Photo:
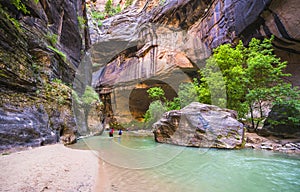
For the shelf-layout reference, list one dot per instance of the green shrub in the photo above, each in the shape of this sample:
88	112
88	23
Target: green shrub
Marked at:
187	93
128	3
108	6
154	113
156	93
53	38
175	104
98	15
81	22
89	96
61	54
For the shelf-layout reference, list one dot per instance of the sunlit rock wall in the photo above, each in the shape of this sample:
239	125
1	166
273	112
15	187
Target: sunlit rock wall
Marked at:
154	39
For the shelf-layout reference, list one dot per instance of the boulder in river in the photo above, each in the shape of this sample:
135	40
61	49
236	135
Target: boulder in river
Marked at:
200	125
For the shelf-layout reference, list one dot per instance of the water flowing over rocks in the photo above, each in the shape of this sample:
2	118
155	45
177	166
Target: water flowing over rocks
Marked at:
200	125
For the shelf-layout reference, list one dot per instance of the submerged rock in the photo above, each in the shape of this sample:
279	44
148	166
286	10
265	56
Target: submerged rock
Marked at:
200	125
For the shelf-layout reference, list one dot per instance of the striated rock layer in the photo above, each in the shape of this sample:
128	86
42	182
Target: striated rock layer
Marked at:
170	41
200	125
38	46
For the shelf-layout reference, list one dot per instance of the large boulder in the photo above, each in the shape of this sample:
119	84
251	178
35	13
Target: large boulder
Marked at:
282	122
200	125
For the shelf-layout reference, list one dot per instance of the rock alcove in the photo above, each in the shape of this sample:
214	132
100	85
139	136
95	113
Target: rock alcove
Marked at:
139	100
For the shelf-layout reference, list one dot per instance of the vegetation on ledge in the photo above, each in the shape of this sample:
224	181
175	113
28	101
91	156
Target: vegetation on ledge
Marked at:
239	78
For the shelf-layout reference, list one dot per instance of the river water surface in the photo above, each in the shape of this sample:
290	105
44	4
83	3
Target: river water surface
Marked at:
130	164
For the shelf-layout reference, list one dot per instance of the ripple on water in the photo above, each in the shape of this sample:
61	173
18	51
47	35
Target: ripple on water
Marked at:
171	168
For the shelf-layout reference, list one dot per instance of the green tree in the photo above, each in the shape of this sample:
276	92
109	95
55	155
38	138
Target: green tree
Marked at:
157	107
248	75
264	73
156	93
223	79
108	6
187	93
155	112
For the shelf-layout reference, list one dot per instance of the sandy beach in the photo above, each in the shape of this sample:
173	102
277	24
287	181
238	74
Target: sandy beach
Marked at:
49	168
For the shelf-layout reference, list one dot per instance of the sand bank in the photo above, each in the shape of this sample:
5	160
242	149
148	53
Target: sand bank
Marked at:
49	168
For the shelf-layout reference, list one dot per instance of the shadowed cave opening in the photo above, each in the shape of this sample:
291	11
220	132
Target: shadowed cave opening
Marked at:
139	101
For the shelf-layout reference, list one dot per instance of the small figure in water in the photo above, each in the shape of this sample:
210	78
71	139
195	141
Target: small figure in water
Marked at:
111	132
120	132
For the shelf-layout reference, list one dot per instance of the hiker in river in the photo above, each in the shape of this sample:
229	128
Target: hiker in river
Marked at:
111	132
120	132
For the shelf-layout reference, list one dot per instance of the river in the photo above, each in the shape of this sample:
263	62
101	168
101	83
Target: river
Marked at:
140	164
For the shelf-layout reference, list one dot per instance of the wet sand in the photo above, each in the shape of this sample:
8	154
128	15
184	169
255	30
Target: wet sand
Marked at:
49	168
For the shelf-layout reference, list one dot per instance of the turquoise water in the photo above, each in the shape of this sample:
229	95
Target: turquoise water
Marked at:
141	164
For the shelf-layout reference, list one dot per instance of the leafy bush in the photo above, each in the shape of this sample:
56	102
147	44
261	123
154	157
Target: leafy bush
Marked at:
156	93
174	104
108	6
187	93
53	38
89	96
57	92
81	22
155	112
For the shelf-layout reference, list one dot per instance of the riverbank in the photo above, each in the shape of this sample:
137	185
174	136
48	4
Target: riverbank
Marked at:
49	168
254	141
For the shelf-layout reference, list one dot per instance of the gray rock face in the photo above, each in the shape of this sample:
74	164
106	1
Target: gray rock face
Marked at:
279	123
33	127
200	125
29	116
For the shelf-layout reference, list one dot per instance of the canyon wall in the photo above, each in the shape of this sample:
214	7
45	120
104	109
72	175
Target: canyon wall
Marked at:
41	46
165	43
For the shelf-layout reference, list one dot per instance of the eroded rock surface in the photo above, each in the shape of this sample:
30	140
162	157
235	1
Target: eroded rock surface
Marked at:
154	40
200	125
37	47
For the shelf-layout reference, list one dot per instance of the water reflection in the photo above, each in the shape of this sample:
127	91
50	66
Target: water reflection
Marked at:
129	161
